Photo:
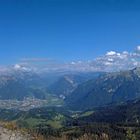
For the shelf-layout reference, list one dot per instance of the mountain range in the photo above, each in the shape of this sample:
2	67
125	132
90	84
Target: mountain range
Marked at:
116	87
79	90
101	105
21	83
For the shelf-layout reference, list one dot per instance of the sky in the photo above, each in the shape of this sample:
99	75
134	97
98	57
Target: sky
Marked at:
67	30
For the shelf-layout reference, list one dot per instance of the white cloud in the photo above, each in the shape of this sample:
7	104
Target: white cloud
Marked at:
111	53
73	63
125	52
17	66
22	67
135	63
138	48
111	61
108	63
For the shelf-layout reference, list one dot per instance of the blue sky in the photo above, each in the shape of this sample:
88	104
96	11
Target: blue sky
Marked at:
67	29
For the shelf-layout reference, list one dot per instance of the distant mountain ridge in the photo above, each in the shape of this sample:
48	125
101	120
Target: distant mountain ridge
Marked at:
67	83
114	87
19	82
19	85
80	91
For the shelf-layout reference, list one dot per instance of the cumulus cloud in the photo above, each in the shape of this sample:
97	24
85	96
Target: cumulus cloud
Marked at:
115	61
22	67
111	53
138	48
73	63
110	61
17	66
